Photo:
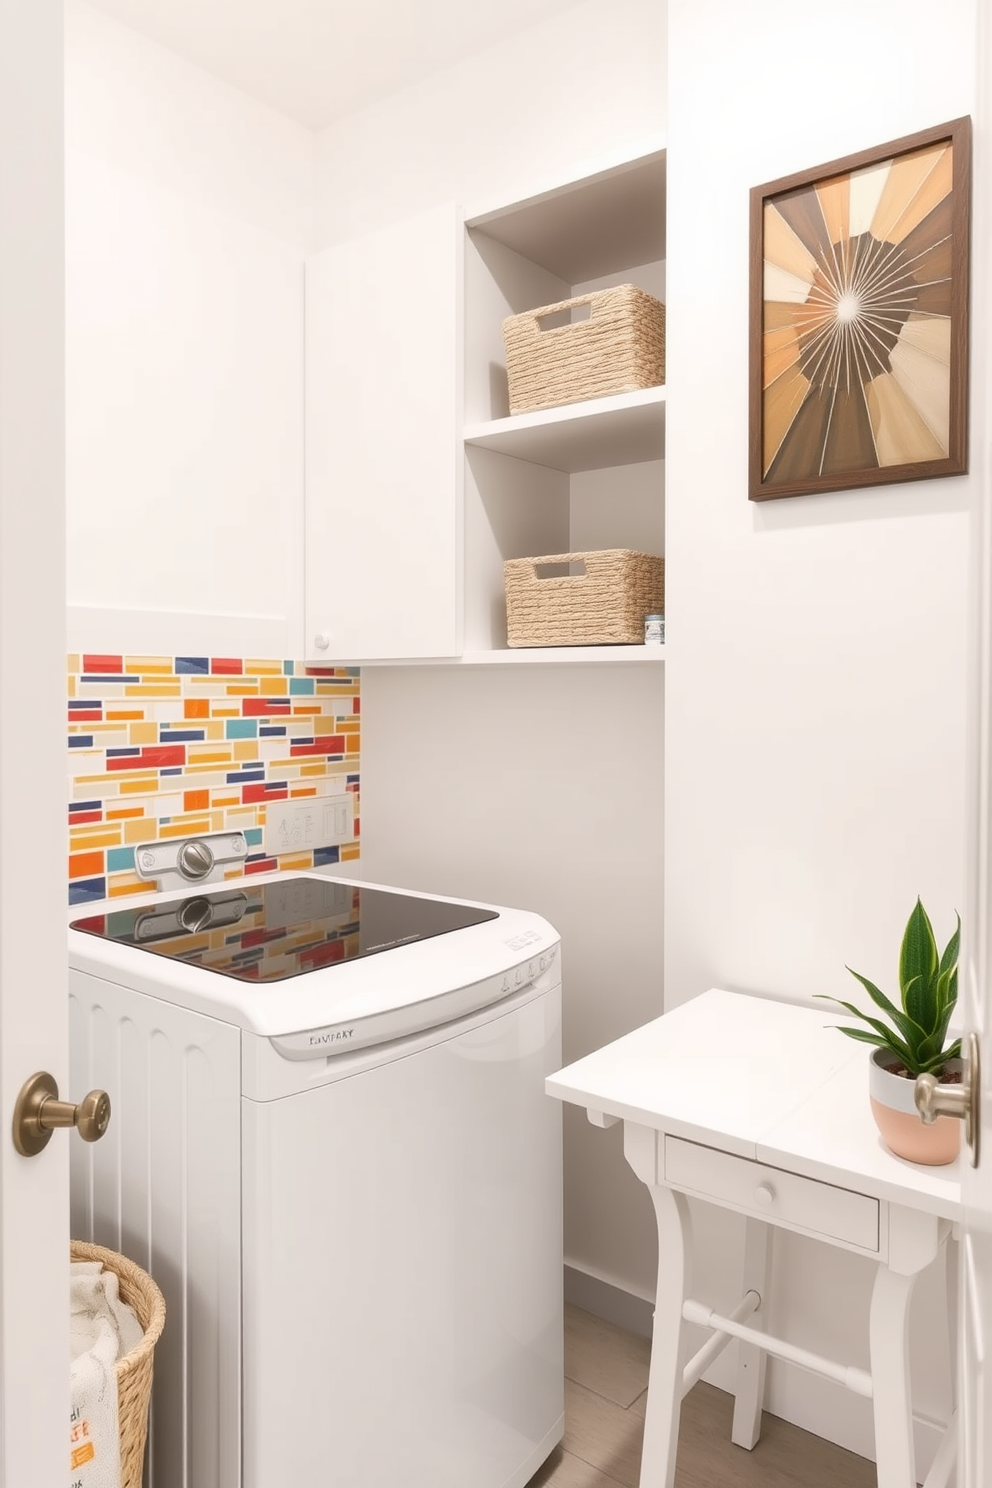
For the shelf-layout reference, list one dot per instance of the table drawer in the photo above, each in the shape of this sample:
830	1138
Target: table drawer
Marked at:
773	1194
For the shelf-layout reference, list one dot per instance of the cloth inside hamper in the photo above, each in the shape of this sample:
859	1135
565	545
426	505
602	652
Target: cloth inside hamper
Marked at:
102	1329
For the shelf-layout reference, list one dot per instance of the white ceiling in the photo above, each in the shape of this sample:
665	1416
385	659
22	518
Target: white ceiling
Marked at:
317	60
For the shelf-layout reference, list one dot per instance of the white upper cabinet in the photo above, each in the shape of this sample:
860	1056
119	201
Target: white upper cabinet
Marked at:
184	422
383	461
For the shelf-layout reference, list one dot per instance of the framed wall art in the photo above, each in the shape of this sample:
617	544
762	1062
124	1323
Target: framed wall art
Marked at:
859	318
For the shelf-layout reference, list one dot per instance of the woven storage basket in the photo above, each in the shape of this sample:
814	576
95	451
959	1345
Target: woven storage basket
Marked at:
605	606
618	349
134	1371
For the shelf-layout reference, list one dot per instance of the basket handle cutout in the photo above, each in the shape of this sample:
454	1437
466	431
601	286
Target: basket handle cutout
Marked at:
560	570
571	313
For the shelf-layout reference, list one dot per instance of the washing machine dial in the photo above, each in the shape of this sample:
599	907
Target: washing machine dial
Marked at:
194	860
195	914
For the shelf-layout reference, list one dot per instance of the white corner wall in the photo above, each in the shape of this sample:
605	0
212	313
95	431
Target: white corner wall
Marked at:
189	213
815	687
547	105
539	786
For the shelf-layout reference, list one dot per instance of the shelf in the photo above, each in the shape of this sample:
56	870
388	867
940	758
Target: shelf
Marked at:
610	220
564	655
621	430
539	656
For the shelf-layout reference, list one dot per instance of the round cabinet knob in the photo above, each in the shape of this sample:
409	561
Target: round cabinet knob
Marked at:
321	641
195	860
764	1195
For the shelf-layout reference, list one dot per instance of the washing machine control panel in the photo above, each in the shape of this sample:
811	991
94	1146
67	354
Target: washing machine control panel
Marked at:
539	971
527	972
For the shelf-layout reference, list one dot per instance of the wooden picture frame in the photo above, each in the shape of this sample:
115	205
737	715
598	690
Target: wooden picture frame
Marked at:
859	319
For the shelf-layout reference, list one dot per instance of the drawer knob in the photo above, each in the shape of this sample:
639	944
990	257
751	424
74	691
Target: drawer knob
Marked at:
764	1195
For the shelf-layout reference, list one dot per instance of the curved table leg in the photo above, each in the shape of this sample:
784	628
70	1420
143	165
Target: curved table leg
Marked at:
664	1402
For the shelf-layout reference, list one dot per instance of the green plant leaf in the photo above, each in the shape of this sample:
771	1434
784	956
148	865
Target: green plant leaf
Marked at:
917	965
939	1060
940	1032
911	1032
952	949
947	988
888	1038
945	1000
865	1038
920	1002
947	972
932	1048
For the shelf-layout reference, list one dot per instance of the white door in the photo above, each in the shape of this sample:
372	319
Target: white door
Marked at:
976	991
34	1192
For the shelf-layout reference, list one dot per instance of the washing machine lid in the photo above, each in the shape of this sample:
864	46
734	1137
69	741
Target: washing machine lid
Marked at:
464	957
271	930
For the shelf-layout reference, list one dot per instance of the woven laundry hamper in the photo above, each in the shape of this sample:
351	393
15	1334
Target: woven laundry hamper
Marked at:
604	606
618	348
134	1371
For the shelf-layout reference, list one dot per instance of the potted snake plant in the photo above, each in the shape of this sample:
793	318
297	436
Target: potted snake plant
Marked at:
913	1042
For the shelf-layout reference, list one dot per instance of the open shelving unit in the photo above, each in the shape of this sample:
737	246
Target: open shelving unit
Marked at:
416	564
580	476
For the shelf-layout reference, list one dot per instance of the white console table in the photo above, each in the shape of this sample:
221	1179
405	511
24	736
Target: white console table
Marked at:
762	1107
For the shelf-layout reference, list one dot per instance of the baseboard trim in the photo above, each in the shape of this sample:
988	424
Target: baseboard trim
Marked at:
793	1394
606	1300
814	1404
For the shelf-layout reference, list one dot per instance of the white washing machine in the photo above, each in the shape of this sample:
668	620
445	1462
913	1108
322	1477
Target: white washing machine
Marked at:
331	1147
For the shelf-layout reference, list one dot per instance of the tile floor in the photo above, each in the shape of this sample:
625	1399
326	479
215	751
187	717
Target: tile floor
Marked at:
606	1373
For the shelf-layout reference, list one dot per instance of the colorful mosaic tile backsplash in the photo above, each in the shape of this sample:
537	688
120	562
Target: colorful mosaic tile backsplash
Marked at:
163	746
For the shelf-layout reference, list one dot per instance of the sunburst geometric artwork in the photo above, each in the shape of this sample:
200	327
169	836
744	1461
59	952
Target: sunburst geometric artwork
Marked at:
859	318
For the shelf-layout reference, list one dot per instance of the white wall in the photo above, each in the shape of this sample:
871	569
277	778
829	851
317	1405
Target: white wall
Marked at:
539	786
815	686
545	105
190	210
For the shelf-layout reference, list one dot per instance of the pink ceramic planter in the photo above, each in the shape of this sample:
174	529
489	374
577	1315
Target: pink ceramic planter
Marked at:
893	1106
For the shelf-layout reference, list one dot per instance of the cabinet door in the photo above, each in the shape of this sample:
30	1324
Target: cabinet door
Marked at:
383	473
184	423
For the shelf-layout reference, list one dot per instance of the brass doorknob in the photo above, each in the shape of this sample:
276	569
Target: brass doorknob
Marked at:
934	1099
38	1112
